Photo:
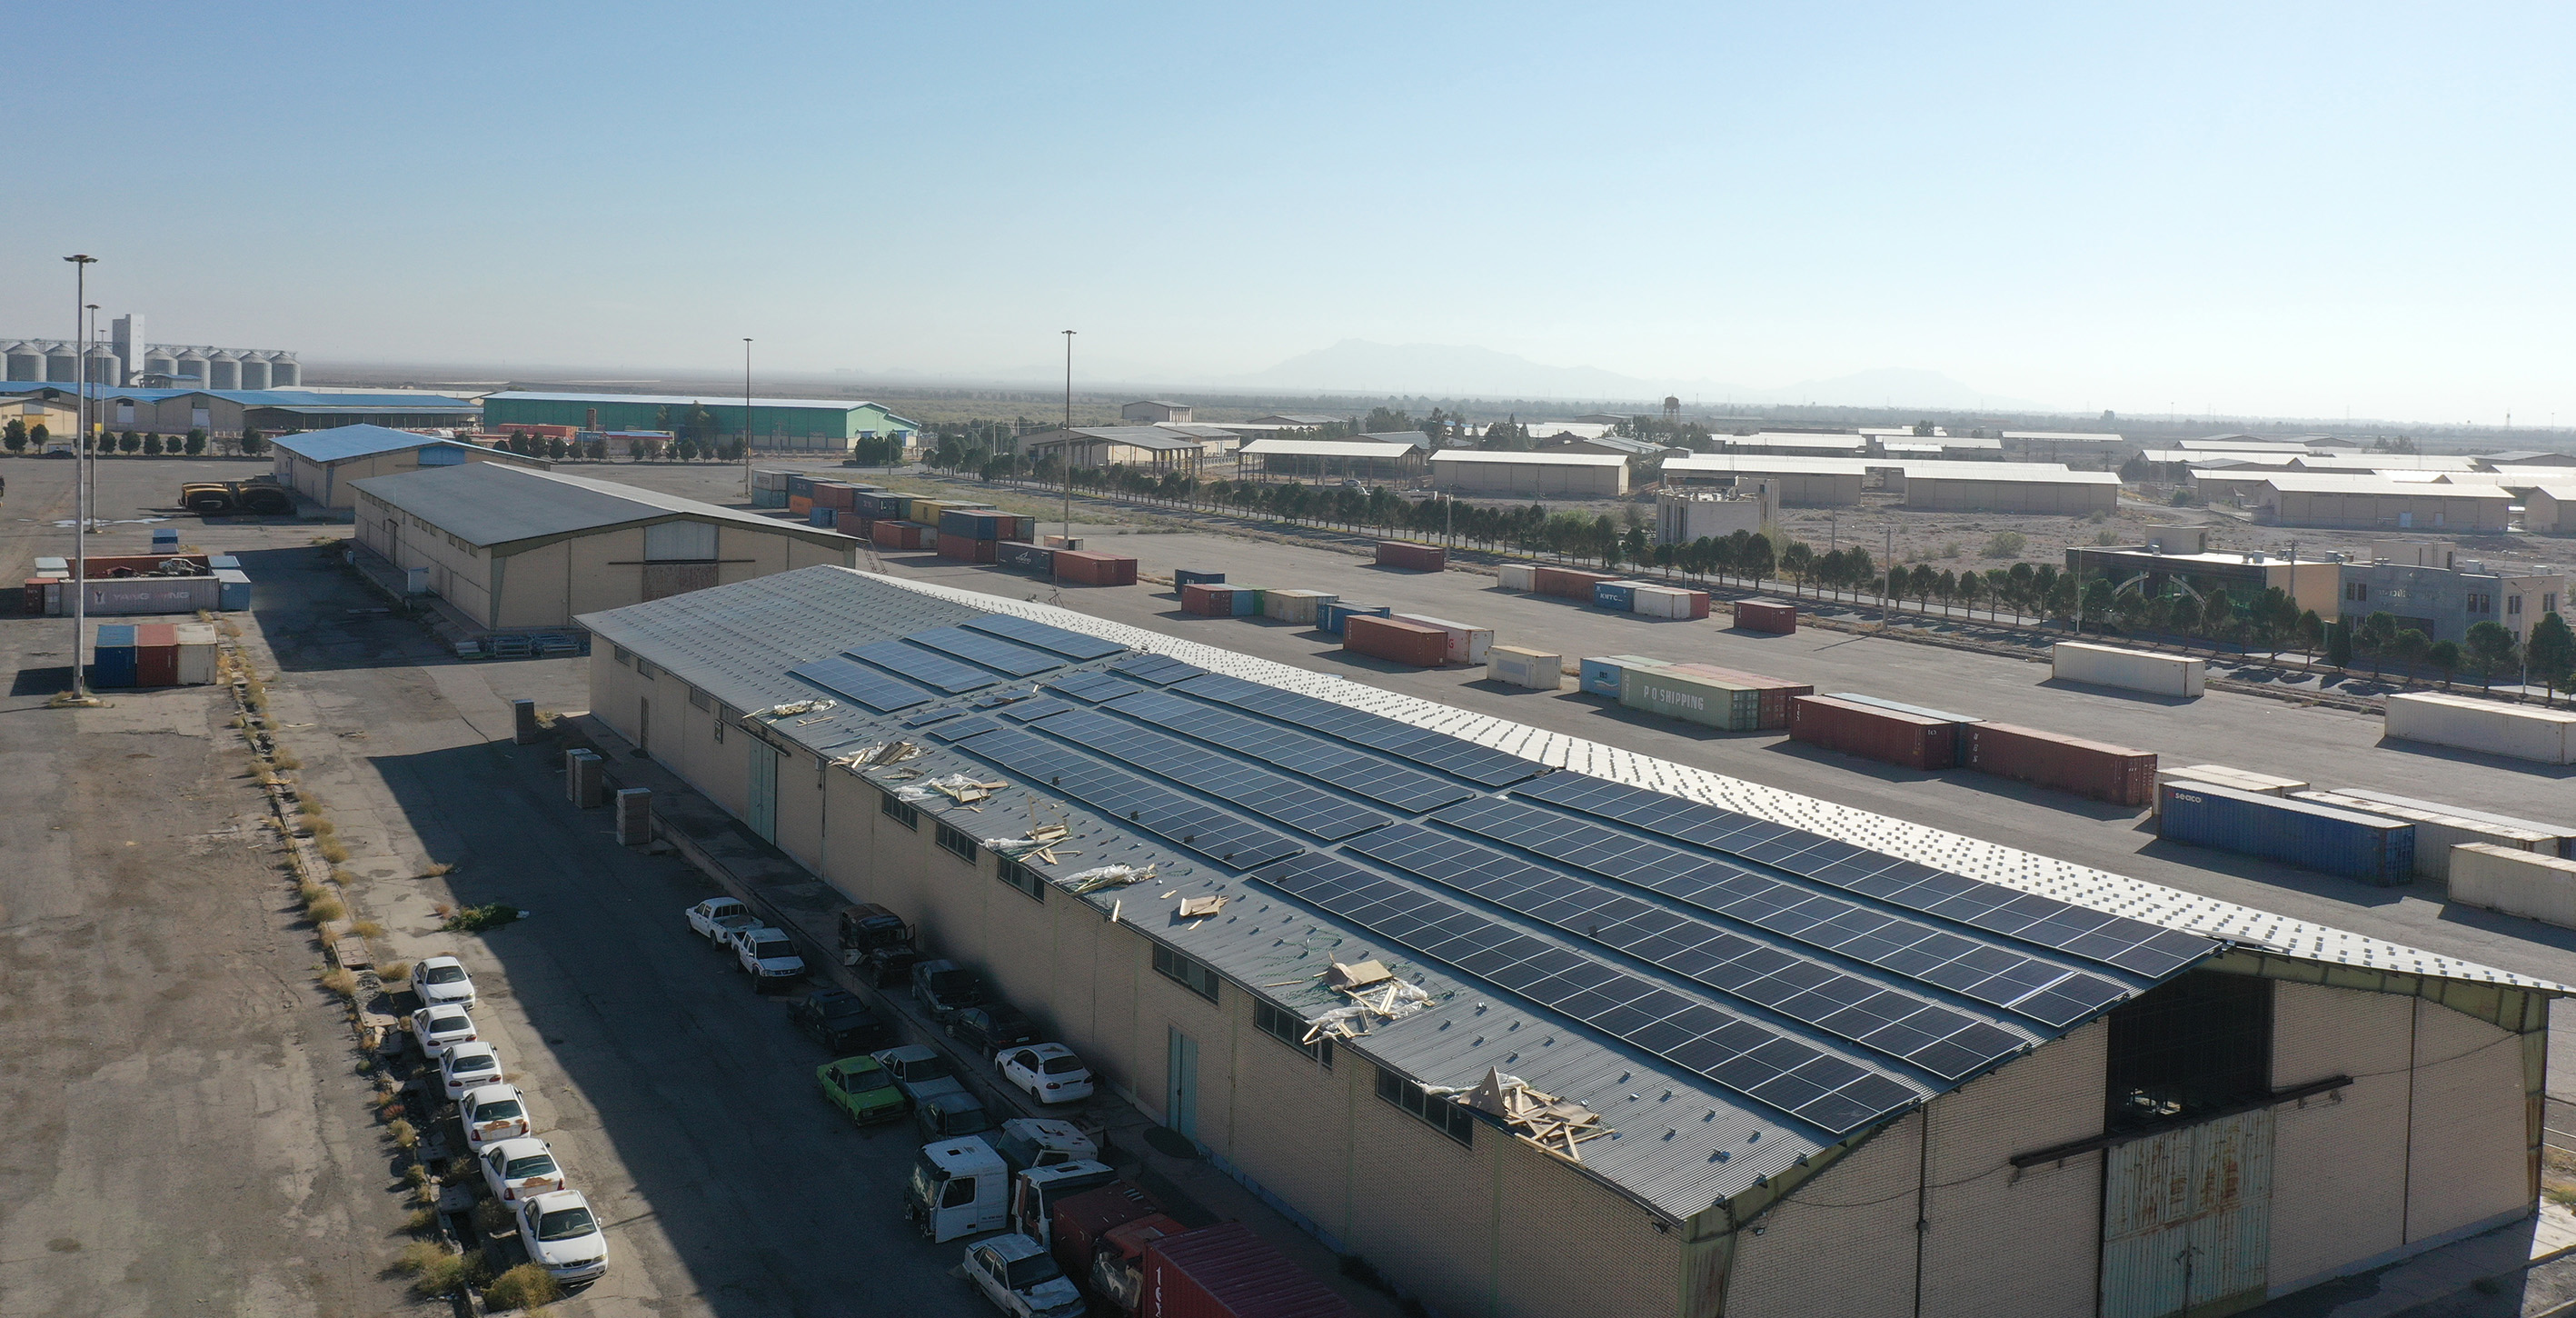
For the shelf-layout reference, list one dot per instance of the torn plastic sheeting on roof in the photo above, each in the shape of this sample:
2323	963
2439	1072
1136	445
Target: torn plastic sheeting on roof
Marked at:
883	752
1388	999
956	787
791	709
1105	877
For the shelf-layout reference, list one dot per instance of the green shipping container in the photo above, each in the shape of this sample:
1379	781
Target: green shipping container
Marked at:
1691	698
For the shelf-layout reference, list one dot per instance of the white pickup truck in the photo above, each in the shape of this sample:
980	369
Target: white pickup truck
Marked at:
767	955
716	919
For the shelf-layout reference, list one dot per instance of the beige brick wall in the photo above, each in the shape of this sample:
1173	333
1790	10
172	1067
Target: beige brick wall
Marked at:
2045	1265
2468	1154
2338	1162
1423	1206
1570	1245
1843	1243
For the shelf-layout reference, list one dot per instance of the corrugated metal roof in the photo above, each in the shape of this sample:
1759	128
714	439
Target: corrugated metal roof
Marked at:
499	503
683	400
2066	436
1685	1140
1326	448
1493	456
341	443
2321	482
1158	438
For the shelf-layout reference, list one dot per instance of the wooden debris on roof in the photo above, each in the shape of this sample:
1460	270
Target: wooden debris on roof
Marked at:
1194	907
1361	975
1554	1124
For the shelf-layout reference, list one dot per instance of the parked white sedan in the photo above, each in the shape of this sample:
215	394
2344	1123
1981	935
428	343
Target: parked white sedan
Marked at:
468	1066
1021	1279
716	918
519	1168
439	1028
1049	1072
492	1113
563	1237
442	981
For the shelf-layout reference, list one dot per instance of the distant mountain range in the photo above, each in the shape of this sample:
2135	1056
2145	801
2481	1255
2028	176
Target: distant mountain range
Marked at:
1445	370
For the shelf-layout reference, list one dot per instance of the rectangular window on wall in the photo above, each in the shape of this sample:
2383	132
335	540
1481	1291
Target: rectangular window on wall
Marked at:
2512	606
700	699
680	542
2198	1044
644	669
623	655
1288	1028
892	807
1020	876
1451	1119
724	714
955	843
1189	974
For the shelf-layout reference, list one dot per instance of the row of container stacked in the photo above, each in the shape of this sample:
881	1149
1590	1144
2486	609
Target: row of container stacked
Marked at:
2374	836
961	529
120	585
1652	599
124	654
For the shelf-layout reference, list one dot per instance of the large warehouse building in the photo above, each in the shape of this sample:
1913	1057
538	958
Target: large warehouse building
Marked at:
1530	475
2009	487
2378	503
1611	1034
272	411
515	548
1801	482
818	425
321	464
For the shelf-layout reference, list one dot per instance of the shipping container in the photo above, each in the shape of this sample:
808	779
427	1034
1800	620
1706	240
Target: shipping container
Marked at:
977	524
1776	616
1669	602
1467	644
768	498
1182	576
1247	602
1958	722
2437	832
1907	740
881	505
2243	780
1332	617
196	653
2564	833
1076	1223
849	521
111	656
1616	596
1225	1271
1406	554
1691	697
1025	557
2117	774
1082	567
898	535
1212	601
1520	576
131	595
1568	582
1601	676
1514	666
771	478
232	589
1294	605
1395	639
827	518
800	507
835	494
2519	732
800	483
968	551
2128	670
57	563
156	654
2373	848
31	597
1776	692
2515	882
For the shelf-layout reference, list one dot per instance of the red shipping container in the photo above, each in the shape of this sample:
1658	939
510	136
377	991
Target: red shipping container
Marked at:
897	535
1077	1223
2120	775
1406	554
1568	582
833	494
1776	694
156	654
1907	740
1225	1271
1777	616
34	602
1214	601
799	506
848	522
1082	567
1392	638
968	551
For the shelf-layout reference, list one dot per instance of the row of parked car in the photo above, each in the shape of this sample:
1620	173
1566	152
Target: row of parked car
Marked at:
554	1221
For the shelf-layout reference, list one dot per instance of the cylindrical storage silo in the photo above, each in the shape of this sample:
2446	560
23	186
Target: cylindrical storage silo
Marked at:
157	362
284	372
26	361
62	364
252	371
104	368
192	363
223	369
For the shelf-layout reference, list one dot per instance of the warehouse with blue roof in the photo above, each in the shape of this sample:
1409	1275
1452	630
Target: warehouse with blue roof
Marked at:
322	465
1541	1026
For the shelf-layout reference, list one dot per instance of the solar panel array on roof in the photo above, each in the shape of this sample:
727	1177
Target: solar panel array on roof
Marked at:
1072	645
1094	687
991	651
1161	670
1790	1074
1439	750
1410	790
924	667
875	690
1206	829
1030	711
1271	795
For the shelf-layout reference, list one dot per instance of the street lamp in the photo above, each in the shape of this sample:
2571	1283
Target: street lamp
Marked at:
746	418
80	694
1064	450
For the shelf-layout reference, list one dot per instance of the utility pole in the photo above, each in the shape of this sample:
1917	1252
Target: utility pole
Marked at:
746	418
1064	456
80	693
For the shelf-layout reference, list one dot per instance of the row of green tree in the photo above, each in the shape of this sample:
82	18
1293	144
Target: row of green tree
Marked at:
18	437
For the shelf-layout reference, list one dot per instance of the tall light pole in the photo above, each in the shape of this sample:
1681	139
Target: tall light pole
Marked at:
1064	452
746	418
80	470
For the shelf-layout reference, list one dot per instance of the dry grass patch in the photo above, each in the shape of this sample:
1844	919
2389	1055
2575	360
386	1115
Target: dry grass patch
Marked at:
365	928
405	1137
523	1287
341	982
326	911
394	972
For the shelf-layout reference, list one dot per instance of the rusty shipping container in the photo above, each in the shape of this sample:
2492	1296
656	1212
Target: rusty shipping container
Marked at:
156	654
1907	740
1406	554
968	551
1567	583
898	535
1225	1271
2121	775
1207	601
1400	641
1776	692
1777	616
1082	567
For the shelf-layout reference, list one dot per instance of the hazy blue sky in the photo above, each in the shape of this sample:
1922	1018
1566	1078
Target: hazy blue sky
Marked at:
2269	208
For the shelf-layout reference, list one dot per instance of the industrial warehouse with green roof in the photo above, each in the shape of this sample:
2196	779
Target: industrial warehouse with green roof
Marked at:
789	425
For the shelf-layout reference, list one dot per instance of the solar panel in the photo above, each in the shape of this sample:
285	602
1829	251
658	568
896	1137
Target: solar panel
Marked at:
1094	687
873	689
1071	644
934	716
1438	750
1407	789
1030	711
1271	795
962	729
1948	1042
1736	1052
1916	949
991	651
923	666
2135	946
1159	669
1206	829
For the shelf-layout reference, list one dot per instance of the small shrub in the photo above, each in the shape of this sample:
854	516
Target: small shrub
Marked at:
2106	536
546	717
434	1272
305	823
415	1175
285	760
522	1287
421	1221
366	928
425	1195
476	919
491	1218
438	871
326	911
342	877
2564	1198
318	826
340	982
394	972
404	1136
310	892
333	852
2007	544
418	1257
1951	549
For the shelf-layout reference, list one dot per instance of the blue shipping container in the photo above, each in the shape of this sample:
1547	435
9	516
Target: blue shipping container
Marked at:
827	518
1918	711
1025	557
1329	617
112	659
1600	677
800	483
967	524
1616	596
1182	576
232	589
1247	602
2371	848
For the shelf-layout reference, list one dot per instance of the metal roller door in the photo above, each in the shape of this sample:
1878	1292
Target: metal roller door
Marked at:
2186	1220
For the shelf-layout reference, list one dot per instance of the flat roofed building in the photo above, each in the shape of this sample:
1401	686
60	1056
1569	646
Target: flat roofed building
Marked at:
795	425
2051	493
1295	420
1544	475
512	548
2443	595
322	464
1330	459
1150	411
1790	443
226	412
1960	1080
2529	458
2376	503
1800	482
1125	446
2311	583
2550	509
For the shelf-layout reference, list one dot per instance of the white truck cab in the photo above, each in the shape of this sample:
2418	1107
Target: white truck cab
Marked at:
1042	1142
958	1188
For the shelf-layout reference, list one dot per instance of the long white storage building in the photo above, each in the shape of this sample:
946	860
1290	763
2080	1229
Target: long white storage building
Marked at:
1542	475
2520	732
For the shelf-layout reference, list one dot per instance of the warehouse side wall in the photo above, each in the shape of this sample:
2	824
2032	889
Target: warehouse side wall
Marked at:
2338	1161
1842	1244
2047	1265
2467	1139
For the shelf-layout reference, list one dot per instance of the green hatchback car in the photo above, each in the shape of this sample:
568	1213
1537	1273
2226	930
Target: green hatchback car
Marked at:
862	1089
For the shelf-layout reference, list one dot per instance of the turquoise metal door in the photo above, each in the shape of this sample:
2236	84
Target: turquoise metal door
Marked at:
763	813
1182	1086
2187	1220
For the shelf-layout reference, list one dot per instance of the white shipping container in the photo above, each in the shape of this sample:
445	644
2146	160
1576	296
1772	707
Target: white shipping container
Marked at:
1467	645
1661	602
2129	670
1514	666
1520	576
196	653
132	595
2436	833
2516	731
2243	780
1294	605
2563	833
2542	888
